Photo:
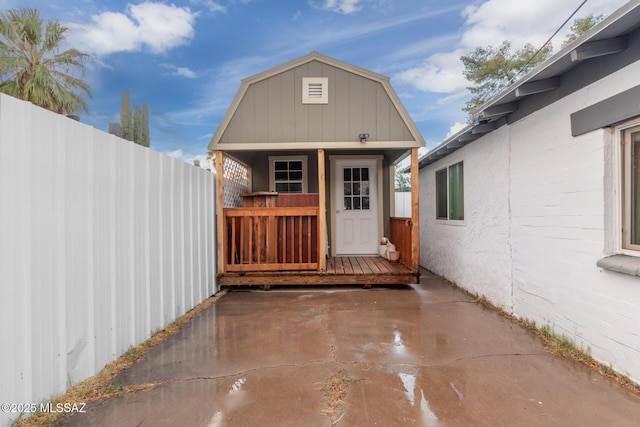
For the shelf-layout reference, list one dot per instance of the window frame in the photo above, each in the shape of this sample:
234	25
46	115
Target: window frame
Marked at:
272	171
624	133
447	219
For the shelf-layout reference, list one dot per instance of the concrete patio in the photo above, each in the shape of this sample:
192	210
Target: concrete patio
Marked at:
424	355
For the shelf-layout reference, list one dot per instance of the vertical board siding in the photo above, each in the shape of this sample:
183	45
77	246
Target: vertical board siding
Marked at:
102	242
271	110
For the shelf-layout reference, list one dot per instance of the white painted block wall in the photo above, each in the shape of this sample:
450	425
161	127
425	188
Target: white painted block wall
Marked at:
473	253
536	223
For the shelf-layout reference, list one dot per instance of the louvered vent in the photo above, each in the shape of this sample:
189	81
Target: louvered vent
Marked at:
315	90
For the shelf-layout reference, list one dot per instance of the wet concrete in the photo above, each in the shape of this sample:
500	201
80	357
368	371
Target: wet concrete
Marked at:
424	355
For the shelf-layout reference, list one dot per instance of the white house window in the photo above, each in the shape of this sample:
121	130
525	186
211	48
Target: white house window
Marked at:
631	188
288	174
450	193
315	90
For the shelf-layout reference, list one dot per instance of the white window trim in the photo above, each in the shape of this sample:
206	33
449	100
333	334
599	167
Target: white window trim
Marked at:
447	221
621	210
324	81
303	159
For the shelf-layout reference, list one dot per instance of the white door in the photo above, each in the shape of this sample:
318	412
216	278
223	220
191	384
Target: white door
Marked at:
356	205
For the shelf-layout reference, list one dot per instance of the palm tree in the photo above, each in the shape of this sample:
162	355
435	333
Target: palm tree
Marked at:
31	68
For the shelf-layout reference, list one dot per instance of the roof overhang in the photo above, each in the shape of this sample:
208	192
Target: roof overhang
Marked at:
607	38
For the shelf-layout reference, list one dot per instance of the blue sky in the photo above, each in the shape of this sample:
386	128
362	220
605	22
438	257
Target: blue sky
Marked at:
185	59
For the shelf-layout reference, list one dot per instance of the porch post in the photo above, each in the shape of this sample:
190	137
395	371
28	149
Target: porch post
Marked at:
322	214
415	211
219	163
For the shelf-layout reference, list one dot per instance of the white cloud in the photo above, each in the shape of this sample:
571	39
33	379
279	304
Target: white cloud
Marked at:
186	72
176	154
455	128
340	6
154	26
213	6
441	73
179	71
491	22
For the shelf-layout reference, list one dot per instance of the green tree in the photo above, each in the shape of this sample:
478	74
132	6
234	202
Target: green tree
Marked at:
32	68
211	157
403	181
581	26
491	69
126	119
137	125
146	139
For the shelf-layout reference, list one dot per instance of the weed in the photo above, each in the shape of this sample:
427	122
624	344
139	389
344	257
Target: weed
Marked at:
335	390
99	386
560	345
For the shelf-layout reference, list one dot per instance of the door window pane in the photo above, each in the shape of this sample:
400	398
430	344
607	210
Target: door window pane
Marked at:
347	203
356	185
365	203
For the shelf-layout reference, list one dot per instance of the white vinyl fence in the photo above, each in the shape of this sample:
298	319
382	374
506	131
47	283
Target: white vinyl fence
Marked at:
403	204
102	242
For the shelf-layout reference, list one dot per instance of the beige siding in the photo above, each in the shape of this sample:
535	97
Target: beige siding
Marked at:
271	110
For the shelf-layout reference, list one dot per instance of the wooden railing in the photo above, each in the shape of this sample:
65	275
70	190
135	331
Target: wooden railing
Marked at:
271	238
400	236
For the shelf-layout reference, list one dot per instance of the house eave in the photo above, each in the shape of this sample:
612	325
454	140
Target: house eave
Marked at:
606	38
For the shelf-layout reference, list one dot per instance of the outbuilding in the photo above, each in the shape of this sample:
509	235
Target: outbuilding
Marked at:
305	159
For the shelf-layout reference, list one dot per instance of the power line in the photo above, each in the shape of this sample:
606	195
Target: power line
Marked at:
548	41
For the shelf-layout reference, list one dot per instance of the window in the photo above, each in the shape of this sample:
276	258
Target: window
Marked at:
631	188
450	193
288	174
315	90
356	188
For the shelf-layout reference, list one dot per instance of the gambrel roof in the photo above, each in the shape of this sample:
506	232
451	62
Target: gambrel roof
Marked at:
268	111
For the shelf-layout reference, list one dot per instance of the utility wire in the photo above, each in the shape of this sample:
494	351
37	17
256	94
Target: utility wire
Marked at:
547	42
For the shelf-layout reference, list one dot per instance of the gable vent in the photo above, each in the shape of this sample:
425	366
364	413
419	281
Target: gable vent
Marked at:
315	90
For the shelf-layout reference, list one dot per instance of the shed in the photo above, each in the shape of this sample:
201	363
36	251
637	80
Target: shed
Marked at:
305	159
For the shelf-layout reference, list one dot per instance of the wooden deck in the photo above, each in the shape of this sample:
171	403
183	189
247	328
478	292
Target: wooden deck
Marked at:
347	270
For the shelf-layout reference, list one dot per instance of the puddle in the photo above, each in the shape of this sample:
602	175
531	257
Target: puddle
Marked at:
237	386
398	343
216	420
408	376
